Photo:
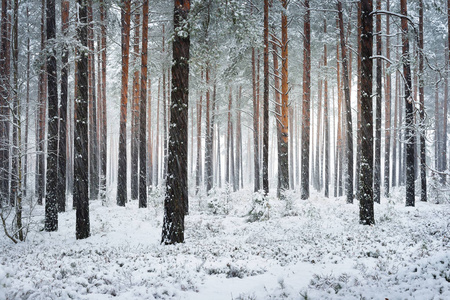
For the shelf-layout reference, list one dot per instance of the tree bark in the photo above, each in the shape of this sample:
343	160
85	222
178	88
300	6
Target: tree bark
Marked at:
348	109
102	93
143	111
134	153
122	170
4	105
387	116
208	138
423	162
326	121
80	193
377	160
198	164
176	200
306	106
265	160
409	111
257	186
51	199
366	212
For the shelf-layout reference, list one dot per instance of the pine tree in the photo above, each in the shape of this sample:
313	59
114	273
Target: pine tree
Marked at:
51	199
366	213
81	182
176	200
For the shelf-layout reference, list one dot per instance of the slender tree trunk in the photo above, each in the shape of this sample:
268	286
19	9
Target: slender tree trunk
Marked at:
80	193
122	170
158	135
135	109
387	105
230	148
198	164
143	111
229	131
176	200
208	137
4	105
366	212
93	128
348	113
326	120
102	93
51	199
238	159
265	160
62	145
257	186
27	109
377	160
358	92
306	106
40	166
423	162
277	114
319	121
14	183
409	111
395	133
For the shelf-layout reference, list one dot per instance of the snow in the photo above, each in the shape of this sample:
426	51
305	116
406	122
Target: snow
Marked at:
315	249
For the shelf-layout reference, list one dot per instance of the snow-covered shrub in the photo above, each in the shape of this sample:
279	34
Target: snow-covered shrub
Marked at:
260	208
219	201
288	199
439	192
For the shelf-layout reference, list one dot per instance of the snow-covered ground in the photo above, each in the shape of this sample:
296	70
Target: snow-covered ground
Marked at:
313	249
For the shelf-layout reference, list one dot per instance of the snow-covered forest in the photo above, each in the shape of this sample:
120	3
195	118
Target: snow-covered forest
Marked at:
239	149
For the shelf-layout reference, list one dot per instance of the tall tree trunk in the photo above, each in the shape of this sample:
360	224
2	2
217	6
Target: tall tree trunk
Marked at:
14	192
306	106
158	135
122	170
423	162
409	111
326	120
143	111
4	105
277	114
229	132
358	92
80	193
265	160
27	108
230	136
51	199
387	105
40	156
318	134
62	145
257	186
366	213
198	164
102	93
395	132
208	137
176	200
93	140
377	160
348	112
238	158
134	153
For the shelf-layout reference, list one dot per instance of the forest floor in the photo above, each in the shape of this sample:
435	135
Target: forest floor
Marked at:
314	249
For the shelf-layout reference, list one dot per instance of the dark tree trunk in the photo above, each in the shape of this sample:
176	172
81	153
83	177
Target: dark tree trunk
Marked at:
423	162
358	92
81	184
348	109
62	146
409	111
122	170
102	93
265	160
51	199
387	116
306	113
4	105
176	200
366	213
377	160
